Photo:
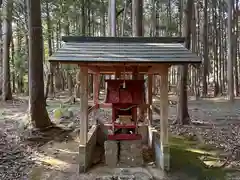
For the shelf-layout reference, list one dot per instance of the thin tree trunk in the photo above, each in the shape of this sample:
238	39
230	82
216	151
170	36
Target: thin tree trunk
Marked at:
205	48
230	53
49	31
183	116
1	53
236	65
12	62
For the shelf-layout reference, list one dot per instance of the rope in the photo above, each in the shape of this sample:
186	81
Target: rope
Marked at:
126	109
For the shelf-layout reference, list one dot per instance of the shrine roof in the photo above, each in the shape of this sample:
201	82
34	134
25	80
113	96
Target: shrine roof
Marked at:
77	49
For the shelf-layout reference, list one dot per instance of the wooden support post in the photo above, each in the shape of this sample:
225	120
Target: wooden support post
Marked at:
164	146
84	105
117	74
135	73
106	87
96	84
150	83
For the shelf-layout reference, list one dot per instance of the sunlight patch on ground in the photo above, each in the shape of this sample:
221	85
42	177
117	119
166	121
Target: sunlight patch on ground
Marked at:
66	151
213	163
52	162
200	151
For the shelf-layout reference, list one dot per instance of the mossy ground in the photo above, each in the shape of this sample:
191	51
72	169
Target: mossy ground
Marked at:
199	161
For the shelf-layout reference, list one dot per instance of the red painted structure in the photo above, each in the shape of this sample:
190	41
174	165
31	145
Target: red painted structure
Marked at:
125	96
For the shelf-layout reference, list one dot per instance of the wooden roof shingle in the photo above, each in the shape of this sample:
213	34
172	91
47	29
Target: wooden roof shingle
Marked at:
124	50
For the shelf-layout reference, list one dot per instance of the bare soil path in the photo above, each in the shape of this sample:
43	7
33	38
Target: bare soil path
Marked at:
55	156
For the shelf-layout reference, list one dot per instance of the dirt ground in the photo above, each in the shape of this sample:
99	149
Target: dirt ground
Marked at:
27	155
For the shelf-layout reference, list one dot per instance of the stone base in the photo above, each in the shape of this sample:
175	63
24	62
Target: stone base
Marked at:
123	177
86	152
161	153
111	153
131	153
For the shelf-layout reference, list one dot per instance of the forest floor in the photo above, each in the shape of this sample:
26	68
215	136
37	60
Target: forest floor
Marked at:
26	154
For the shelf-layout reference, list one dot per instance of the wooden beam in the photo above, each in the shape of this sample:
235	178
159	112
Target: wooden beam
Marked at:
84	105
135	73
121	69
114	63
150	83
82	39
105	105
93	69
96	84
164	157
157	69
94	107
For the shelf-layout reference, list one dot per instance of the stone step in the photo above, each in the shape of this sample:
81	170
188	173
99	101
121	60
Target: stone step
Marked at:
123	177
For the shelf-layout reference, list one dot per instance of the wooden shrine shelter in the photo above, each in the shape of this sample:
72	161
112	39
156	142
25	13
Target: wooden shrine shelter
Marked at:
120	56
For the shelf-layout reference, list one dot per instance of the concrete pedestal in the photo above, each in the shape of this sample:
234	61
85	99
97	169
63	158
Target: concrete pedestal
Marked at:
131	153
111	153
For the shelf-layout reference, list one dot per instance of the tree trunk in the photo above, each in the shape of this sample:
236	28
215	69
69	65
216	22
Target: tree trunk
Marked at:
1	52
205	48
26	42
49	33
230	53
137	29
78	84
70	84
7	31
83	18
182	108
13	73
236	65
38	113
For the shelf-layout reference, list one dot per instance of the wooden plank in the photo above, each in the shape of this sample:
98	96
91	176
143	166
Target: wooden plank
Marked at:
126	55
123	39
157	69
84	105
127	69
96	85
150	83
109	105
113	60
105	105
118	74
97	44
118	49
164	157
140	51
93	69
135	73
96	82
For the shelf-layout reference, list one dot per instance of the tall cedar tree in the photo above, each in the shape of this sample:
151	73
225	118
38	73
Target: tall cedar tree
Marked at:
38	113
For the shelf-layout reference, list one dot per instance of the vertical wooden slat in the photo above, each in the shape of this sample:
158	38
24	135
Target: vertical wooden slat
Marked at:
150	83
164	158
84	105
96	86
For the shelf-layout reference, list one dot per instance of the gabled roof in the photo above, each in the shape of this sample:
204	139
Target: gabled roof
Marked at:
124	50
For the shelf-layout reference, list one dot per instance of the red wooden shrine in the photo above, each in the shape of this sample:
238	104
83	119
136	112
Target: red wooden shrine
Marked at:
125	96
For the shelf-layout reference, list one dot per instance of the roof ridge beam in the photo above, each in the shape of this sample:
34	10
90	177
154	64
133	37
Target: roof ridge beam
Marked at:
83	39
